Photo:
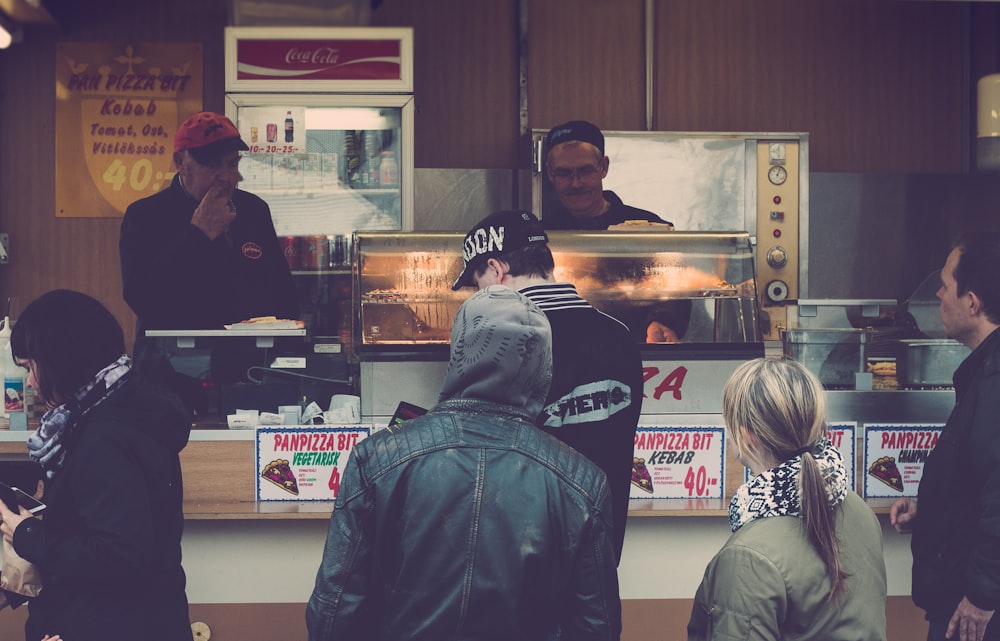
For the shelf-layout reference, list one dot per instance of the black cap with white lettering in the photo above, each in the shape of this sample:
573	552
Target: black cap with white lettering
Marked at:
497	234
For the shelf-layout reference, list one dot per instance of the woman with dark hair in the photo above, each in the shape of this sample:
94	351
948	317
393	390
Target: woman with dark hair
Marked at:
109	544
805	558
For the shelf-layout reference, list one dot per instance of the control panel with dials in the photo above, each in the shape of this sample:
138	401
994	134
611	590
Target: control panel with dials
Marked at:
777	259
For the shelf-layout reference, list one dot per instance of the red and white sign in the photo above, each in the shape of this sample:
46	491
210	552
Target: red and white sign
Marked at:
678	463
894	458
349	59
303	463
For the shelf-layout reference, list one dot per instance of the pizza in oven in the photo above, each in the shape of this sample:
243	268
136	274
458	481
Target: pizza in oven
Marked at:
885	470
279	473
640	475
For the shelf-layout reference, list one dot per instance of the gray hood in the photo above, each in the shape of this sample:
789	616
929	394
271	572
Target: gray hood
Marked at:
501	351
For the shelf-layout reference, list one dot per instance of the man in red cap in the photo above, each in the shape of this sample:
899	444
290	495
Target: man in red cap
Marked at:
201	253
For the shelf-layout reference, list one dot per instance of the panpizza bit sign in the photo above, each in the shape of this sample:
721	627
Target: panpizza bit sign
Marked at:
895	456
303	463
678	463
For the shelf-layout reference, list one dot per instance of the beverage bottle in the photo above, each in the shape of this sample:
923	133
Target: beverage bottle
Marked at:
389	169
13	374
352	158
289	127
4	348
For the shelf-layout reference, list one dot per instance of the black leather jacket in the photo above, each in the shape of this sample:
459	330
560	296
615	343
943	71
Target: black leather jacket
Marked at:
956	537
468	523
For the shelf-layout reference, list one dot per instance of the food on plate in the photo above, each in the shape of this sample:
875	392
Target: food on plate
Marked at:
267	322
383	296
643	225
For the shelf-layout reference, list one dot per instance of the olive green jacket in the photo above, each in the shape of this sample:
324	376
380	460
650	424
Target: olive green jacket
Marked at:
768	582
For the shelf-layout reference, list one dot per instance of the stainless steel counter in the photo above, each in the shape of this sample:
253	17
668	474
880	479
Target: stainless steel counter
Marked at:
891	406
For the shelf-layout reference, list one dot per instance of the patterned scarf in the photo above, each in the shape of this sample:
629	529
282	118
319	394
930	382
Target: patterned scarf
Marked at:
775	492
47	445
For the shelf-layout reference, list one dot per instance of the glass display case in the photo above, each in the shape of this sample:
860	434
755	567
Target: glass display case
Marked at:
702	280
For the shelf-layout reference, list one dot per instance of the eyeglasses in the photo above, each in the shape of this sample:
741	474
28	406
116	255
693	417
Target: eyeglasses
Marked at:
585	174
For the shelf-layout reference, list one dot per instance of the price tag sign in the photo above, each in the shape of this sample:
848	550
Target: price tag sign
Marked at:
303	463
276	131
678	463
894	458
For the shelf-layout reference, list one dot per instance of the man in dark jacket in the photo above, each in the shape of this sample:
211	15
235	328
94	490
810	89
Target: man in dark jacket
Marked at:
596	394
956	536
469	522
202	254
576	165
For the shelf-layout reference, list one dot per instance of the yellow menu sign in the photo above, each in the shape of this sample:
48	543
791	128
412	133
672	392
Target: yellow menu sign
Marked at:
117	108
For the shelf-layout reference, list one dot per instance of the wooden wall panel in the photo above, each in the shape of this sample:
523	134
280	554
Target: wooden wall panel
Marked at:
586	62
465	80
879	86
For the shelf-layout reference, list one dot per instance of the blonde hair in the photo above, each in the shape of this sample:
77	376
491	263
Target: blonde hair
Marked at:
784	406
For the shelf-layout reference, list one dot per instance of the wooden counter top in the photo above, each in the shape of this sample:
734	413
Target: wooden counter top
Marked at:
253	510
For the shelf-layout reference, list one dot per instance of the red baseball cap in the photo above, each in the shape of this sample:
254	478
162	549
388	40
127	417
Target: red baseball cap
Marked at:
210	134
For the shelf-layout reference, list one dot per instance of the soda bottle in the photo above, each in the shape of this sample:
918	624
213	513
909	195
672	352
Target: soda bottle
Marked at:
289	127
352	158
389	169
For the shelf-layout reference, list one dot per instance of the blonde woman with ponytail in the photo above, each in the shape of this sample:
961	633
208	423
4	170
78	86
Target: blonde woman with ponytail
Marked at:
805	557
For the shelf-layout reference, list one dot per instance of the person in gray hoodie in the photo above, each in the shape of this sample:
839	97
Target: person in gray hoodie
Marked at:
469	522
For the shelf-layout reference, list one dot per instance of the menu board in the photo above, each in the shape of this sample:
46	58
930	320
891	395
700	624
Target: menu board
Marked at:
678	463
303	463
894	458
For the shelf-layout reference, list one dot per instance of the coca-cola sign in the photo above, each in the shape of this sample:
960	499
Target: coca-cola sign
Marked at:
320	56
318	60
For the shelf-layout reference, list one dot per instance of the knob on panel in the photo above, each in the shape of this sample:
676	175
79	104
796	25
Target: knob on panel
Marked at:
777	291
777	257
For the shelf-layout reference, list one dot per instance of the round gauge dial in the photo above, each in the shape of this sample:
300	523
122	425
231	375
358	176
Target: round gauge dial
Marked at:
777	175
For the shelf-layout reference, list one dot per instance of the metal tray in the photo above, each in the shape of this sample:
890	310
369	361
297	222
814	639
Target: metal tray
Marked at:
928	362
833	355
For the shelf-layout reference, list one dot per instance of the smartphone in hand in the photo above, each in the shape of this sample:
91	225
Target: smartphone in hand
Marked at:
15	497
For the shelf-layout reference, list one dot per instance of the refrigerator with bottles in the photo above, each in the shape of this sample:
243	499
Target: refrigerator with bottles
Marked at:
328	115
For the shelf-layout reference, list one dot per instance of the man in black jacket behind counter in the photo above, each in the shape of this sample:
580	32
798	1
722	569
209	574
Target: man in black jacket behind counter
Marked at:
956	533
201	253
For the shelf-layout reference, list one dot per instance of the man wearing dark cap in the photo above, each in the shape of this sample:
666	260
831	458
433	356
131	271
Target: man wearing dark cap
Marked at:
596	394
201	254
576	165
468	522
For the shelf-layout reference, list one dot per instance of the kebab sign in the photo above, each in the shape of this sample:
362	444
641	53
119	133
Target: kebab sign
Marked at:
303	463
117	107
678	463
895	456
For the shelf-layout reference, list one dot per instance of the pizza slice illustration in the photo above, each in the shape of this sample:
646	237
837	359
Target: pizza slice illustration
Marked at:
640	475
279	473
885	470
